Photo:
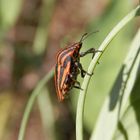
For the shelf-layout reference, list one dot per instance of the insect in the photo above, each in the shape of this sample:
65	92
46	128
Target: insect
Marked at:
68	67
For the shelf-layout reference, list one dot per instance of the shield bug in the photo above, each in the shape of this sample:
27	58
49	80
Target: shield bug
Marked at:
68	67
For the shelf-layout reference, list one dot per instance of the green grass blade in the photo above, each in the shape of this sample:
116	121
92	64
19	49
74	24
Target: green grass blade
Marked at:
41	34
30	104
115	104
47	114
103	47
129	121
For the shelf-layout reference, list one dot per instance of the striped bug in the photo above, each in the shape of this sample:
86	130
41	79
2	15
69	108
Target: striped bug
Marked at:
68	67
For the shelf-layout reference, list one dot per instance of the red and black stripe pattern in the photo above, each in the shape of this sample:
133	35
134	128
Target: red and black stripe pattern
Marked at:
68	67
66	70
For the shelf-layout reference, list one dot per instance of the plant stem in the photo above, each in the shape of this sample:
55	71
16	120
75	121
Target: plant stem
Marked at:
103	47
30	104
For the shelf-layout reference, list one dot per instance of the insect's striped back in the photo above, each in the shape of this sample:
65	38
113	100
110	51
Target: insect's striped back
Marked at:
68	67
62	70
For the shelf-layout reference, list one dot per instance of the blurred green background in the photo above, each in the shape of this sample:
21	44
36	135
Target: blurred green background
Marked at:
31	33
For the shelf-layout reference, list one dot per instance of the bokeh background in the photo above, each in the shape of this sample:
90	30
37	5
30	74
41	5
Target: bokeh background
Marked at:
31	33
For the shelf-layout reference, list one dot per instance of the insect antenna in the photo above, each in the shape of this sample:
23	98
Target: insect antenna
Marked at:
85	35
82	38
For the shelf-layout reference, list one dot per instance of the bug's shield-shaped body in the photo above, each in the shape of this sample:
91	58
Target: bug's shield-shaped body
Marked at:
66	70
68	66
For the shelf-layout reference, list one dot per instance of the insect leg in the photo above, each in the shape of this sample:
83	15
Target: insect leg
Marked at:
77	82
91	50
77	87
83	72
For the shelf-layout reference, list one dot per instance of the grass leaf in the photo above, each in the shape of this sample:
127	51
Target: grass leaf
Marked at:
30	104
103	47
115	104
